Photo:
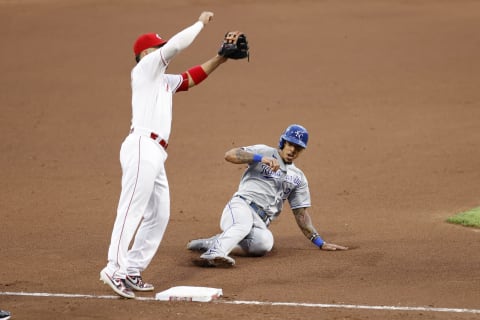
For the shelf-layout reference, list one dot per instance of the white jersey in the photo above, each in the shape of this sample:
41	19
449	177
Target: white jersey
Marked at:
152	89
145	189
269	189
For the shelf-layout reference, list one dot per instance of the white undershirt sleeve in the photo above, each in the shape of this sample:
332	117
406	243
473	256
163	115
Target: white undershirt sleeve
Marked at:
180	41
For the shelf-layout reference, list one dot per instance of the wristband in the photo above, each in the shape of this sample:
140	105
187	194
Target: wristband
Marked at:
257	157
317	240
198	74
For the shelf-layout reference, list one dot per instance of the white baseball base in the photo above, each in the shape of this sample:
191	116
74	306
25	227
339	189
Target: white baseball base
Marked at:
188	293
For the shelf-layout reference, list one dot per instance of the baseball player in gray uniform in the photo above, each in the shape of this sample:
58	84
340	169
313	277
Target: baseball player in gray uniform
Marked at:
144	206
270	178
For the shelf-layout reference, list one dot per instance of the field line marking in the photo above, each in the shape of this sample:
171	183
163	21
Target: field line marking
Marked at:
285	304
354	306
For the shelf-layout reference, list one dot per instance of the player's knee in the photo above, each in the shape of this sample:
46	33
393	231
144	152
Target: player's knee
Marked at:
263	245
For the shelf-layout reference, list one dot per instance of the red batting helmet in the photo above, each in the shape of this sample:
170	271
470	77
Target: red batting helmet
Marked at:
147	40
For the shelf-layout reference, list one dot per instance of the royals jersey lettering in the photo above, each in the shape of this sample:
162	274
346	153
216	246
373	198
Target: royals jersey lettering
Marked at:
270	189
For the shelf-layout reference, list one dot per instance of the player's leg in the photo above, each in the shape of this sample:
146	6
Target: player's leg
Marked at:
138	175
152	228
142	252
137	184
236	223
257	243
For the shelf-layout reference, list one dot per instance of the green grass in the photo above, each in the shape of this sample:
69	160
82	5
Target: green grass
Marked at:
470	218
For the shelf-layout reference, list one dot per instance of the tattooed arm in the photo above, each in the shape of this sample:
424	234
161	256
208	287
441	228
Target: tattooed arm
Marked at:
304	222
239	156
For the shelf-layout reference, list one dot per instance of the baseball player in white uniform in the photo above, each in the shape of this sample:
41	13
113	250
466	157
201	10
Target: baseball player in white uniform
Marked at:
144	204
269	180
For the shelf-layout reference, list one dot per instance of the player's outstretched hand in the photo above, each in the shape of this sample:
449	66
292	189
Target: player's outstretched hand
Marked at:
205	17
332	247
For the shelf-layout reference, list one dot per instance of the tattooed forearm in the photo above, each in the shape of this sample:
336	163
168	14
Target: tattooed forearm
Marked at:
238	155
243	156
304	222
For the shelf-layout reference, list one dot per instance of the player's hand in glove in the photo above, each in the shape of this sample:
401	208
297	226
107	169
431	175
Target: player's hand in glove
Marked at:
234	46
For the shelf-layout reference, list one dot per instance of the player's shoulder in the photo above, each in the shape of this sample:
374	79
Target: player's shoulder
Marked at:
150	62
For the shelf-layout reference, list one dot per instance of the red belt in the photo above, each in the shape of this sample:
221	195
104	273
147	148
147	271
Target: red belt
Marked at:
162	142
154	136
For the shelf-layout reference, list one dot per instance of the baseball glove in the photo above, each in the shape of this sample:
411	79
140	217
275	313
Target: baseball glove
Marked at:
234	46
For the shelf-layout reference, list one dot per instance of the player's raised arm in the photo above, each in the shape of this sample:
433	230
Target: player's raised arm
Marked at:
239	156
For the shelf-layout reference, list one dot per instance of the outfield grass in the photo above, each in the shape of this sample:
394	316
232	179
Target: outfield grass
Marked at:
470	218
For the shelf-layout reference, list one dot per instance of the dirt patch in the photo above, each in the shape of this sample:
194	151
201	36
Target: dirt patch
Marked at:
388	92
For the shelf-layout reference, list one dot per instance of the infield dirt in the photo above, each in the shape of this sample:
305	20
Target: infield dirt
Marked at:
387	89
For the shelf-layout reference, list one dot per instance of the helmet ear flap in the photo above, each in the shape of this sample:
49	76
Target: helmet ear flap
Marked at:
295	134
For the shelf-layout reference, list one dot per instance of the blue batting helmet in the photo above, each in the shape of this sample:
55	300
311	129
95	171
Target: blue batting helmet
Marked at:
295	134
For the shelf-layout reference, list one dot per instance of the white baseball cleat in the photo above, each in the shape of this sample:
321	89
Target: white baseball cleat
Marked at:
201	244
136	283
118	285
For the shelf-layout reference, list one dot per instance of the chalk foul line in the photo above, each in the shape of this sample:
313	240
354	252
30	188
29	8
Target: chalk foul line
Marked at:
261	303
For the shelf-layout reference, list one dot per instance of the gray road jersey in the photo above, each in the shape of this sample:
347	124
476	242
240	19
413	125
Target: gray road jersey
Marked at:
270	189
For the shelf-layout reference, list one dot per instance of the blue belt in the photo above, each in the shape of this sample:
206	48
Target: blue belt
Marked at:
261	213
